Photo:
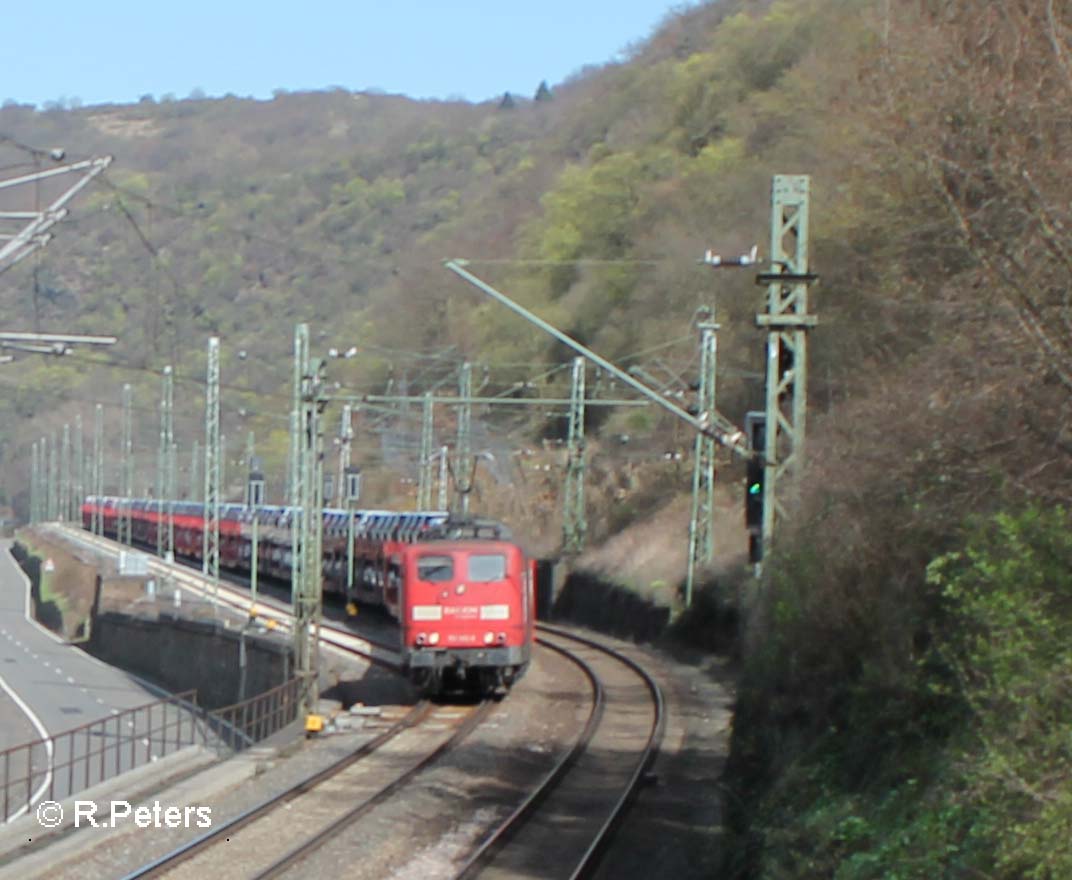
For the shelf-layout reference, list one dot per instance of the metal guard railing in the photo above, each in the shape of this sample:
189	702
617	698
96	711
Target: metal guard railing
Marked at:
66	763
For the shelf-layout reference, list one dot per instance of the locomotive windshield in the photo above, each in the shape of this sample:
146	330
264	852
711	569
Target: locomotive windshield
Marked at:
486	567
433	569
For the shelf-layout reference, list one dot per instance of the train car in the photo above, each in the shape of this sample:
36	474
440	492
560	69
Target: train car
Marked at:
461	590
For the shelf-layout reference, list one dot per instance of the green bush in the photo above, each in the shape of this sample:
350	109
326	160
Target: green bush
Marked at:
963	769
1010	593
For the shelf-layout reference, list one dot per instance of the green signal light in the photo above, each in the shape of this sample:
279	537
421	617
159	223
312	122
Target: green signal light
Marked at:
755	489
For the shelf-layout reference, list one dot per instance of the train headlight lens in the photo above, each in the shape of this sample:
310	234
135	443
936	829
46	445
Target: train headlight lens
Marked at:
433	638
420	638
489	638
502	638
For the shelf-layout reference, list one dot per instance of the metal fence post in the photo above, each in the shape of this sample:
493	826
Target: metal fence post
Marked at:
70	762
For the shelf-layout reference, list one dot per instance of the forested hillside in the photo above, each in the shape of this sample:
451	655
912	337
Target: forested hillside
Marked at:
241	218
905	687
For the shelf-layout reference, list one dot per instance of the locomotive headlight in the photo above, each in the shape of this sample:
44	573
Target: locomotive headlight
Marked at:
433	638
489	638
460	589
502	638
420	638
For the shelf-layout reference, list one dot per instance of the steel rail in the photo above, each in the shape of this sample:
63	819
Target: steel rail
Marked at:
174	858
486	852
590	861
303	850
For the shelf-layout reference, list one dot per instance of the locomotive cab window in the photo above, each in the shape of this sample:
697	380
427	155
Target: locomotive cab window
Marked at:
434	569
486	567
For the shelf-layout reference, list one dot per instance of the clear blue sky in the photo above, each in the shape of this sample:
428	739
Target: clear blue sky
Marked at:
118	50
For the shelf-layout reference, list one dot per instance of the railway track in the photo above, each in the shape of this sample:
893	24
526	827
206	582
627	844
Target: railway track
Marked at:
259	843
563	826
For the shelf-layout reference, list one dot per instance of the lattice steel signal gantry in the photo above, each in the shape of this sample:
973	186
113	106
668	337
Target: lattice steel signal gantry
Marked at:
126	466
574	521
701	528
425	475
210	559
97	522
307	590
787	322
295	484
464	462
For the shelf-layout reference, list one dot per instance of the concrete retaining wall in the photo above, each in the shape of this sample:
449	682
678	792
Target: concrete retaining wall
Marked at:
606	607
180	654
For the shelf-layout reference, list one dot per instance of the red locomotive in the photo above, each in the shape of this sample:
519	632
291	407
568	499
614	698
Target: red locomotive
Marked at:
462	591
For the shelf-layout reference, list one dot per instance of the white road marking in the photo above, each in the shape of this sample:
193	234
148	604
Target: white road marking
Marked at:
41	729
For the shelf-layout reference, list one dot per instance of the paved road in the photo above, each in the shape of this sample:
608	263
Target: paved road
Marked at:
58	687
